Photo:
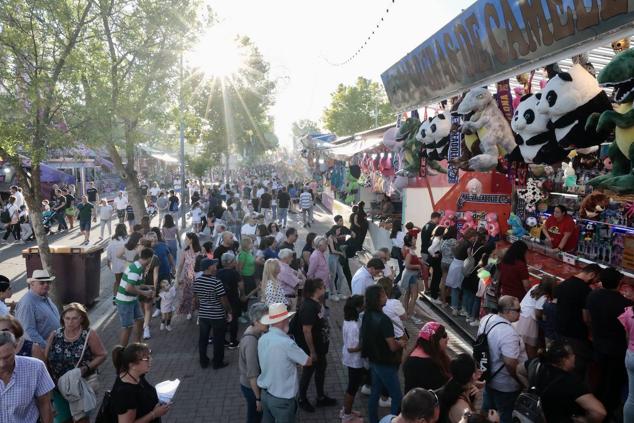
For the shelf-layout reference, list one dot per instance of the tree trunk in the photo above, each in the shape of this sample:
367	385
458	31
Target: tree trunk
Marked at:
129	175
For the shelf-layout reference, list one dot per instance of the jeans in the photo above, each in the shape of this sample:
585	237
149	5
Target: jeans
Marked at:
475	308
319	369
611	381
307	215
274	212
468	297
12	229
105	223
384	376
455	298
253	416
283	216
503	402
434	262
61	220
336	272
628	409
219	327
278	410
266	211
172	245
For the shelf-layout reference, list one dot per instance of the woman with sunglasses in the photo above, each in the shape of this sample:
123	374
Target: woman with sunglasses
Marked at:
25	347
133	398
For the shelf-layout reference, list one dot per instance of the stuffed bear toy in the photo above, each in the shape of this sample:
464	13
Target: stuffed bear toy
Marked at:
536	143
440	127
534	230
570	176
468	223
492	225
568	99
593	205
619	74
448	218
488	121
425	136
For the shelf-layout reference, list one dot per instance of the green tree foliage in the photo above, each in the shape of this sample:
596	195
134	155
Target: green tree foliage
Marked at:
304	127
354	108
39	42
232	113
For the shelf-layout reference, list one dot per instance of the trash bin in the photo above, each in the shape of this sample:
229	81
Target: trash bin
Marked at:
77	271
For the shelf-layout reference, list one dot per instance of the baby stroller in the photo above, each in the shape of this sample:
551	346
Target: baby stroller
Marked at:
151	210
48	220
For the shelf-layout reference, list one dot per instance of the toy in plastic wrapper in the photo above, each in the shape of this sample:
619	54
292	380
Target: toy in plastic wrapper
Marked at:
469	222
492	225
448	218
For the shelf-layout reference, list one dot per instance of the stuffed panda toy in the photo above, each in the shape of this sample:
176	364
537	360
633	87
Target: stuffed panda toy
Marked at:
440	127
535	142
423	136
568	99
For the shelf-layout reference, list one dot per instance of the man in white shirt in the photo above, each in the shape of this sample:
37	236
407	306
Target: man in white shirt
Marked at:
506	352
19	198
365	276
120	204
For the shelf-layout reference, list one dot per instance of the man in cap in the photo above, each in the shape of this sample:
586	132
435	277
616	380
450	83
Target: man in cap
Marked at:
279	356
36	311
214	313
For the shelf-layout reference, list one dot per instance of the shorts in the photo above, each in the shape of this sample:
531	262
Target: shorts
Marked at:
356	378
120	214
84	225
129	313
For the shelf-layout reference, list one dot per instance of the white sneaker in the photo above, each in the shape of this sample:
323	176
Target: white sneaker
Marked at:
169	328
385	403
162	326
146	333
475	323
436	301
366	389
156	313
343	297
416	320
468	319
189	316
454	312
463	313
335	298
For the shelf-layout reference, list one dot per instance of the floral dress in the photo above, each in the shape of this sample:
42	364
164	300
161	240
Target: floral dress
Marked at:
186	289
63	355
273	293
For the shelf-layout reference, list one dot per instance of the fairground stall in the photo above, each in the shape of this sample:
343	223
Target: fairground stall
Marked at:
520	106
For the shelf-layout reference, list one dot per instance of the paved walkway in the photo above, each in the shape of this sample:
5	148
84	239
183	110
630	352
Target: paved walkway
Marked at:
208	395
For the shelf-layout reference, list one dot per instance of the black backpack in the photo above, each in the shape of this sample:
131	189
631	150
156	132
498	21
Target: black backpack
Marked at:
105	414
528	405
5	216
482	354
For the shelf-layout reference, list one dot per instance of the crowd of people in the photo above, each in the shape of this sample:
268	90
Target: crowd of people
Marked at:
239	275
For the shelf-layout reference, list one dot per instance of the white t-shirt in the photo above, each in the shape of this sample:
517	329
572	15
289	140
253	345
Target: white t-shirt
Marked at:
19	199
399	240
196	215
259	193
529	304
350	332
248	229
105	212
503	341
4	309
120	203
154	191
361	281
394	310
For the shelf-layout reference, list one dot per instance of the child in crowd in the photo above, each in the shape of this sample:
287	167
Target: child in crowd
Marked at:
393	308
351	357
196	217
168	297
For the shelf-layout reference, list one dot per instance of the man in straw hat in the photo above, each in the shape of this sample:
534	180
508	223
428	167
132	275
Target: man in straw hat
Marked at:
36	311
279	357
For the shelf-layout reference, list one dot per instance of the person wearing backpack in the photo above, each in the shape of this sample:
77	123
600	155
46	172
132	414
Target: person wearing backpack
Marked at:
454	273
498	351
563	396
11	218
449	241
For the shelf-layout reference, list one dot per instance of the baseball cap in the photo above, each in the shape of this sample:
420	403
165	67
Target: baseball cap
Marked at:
206	263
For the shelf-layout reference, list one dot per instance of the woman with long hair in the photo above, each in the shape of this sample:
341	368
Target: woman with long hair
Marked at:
427	366
185	274
170	234
117	265
308	249
272	291
532	306
397	235
410	277
449	241
514	279
25	347
133	398
462	394
435	259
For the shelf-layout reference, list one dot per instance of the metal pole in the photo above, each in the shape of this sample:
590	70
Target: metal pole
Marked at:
182	142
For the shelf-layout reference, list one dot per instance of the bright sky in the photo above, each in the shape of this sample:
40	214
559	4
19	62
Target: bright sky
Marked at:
299	37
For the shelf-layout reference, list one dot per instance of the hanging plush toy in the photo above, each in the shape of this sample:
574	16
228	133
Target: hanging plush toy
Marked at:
468	223
440	127
517	229
411	153
531	195
448	218
352	183
493	130
619	74
568	99
425	136
570	176
536	143
492	225
593	205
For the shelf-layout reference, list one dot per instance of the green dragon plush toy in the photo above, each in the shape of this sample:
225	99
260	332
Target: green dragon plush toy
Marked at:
352	187
618	74
412	149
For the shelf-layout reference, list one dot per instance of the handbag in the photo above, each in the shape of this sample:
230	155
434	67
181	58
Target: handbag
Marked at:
105	415
396	253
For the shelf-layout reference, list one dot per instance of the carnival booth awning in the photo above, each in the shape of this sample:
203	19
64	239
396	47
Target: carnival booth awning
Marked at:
346	147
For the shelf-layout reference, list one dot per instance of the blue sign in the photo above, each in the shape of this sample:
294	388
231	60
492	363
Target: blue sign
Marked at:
455	139
497	39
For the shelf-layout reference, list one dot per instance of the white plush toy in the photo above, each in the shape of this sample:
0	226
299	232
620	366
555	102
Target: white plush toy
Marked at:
568	99
440	128
536	143
570	176
531	195
474	186
423	135
491	126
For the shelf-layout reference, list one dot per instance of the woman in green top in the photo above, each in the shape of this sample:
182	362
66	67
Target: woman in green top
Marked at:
246	267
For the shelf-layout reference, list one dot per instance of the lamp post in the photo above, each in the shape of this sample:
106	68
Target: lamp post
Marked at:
181	125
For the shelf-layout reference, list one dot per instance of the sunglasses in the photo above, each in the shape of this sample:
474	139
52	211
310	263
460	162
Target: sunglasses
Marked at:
514	309
45	282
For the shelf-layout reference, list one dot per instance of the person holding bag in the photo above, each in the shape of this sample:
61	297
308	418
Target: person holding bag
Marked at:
73	346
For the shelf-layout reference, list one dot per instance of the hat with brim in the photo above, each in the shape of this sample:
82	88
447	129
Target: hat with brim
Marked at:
277	313
41	276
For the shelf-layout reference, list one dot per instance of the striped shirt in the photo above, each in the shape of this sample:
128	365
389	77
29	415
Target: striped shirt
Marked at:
209	290
305	200
132	276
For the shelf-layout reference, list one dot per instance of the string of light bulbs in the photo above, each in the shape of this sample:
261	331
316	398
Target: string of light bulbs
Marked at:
365	42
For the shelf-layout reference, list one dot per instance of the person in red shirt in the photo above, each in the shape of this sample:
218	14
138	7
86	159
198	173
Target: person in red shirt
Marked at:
514	279
412	231
560	230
